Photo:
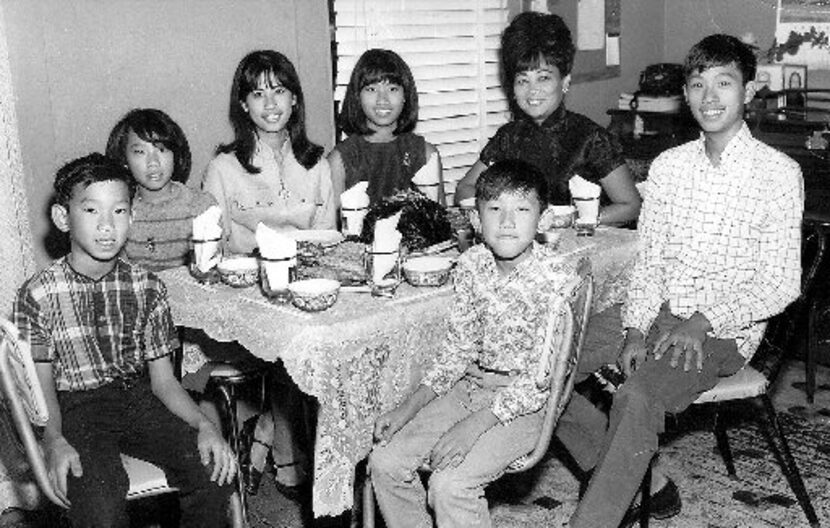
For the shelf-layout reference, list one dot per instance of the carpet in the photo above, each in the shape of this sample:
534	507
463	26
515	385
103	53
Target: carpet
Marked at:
759	497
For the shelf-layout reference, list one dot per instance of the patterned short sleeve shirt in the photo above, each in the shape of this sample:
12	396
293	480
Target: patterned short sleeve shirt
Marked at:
565	144
499	323
95	331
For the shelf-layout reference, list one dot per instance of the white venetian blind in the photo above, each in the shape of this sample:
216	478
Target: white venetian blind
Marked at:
451	46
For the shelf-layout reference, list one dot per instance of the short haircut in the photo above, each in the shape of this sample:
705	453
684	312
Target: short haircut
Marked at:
511	175
156	127
720	50
379	65
92	168
273	68
533	38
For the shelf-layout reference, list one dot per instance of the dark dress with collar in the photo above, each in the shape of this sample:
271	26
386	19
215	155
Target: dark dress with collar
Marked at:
565	144
388	167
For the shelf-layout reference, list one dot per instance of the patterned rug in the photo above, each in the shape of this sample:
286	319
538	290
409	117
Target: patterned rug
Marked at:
759	497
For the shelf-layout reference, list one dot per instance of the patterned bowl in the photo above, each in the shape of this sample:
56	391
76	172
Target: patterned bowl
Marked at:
558	216
239	272
314	295
427	271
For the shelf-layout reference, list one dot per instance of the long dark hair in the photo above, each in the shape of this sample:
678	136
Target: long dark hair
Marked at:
252	69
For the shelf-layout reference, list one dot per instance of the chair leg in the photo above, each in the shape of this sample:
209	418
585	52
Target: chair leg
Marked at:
775	436
723	442
645	496
229	418
810	352
368	500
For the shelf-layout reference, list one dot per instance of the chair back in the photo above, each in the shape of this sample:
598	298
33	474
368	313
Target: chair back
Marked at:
24	395
564	335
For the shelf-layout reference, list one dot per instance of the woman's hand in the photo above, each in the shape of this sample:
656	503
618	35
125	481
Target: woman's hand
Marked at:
390	423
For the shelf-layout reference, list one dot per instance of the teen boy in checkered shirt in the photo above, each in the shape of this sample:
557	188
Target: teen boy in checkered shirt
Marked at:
101	337
720	254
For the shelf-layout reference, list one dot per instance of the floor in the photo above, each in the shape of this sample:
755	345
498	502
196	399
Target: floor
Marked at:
270	509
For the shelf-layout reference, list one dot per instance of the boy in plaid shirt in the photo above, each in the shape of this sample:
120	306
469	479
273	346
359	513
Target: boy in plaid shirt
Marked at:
101	336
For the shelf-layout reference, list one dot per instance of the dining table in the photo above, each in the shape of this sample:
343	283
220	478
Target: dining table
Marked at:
365	354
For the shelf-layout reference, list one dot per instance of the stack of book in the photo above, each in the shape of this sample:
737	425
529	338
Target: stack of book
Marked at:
651	103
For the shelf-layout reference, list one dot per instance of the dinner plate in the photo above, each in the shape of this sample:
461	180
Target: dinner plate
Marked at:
324	237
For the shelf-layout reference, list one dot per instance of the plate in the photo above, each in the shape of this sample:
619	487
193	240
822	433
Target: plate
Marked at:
324	237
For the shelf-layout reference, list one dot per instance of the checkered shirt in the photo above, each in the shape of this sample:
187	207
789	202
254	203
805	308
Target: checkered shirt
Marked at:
94	331
722	240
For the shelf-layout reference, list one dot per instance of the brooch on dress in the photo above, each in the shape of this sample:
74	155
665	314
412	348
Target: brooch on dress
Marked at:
406	161
151	245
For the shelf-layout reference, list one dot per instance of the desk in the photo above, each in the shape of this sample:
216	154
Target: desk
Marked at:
364	355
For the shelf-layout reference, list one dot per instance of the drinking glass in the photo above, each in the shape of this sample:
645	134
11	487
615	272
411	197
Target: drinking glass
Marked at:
587	215
275	275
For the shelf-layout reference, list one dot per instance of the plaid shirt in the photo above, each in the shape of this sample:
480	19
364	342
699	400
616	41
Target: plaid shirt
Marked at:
724	241
499	323
94	331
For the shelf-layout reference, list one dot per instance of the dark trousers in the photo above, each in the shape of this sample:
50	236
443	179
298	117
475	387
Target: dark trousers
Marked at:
126	417
637	418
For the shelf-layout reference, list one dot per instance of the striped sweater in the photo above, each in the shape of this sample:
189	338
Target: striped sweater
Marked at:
160	233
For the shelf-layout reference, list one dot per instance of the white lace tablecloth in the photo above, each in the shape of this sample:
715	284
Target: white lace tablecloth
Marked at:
362	356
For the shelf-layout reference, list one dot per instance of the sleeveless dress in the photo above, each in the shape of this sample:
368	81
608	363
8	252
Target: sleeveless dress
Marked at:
388	167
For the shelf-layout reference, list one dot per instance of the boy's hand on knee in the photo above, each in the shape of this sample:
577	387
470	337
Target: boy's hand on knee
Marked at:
388	424
61	458
213	447
633	353
453	447
686	338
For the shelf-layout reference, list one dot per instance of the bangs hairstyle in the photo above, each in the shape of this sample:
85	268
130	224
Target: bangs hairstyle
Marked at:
92	168
272	69
720	50
379	65
156	127
513	176
530	40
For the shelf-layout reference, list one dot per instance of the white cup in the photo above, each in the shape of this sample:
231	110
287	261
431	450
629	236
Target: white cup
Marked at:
352	220
276	275
206	254
587	214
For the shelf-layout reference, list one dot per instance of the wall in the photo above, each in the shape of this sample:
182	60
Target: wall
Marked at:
641	44
78	66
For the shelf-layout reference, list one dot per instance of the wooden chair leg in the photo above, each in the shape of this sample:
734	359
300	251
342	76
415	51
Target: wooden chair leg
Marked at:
645	497
775	436
368	500
723	442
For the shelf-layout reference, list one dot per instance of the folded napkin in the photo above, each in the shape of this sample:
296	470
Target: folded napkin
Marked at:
279	254
426	179
354	203
386	246
582	188
207	232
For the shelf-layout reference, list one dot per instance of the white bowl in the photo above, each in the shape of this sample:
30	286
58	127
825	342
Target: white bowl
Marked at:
427	271
323	237
314	295
239	272
558	216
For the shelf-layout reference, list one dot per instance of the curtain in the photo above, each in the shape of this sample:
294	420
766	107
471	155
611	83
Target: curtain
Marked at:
16	263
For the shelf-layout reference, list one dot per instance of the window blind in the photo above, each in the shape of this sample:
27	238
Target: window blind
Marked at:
451	46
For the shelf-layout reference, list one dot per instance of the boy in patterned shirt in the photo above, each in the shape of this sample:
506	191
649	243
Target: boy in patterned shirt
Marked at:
720	233
478	408
101	337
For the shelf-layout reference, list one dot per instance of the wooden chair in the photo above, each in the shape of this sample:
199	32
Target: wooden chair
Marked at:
24	395
564	335
745	384
816	226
